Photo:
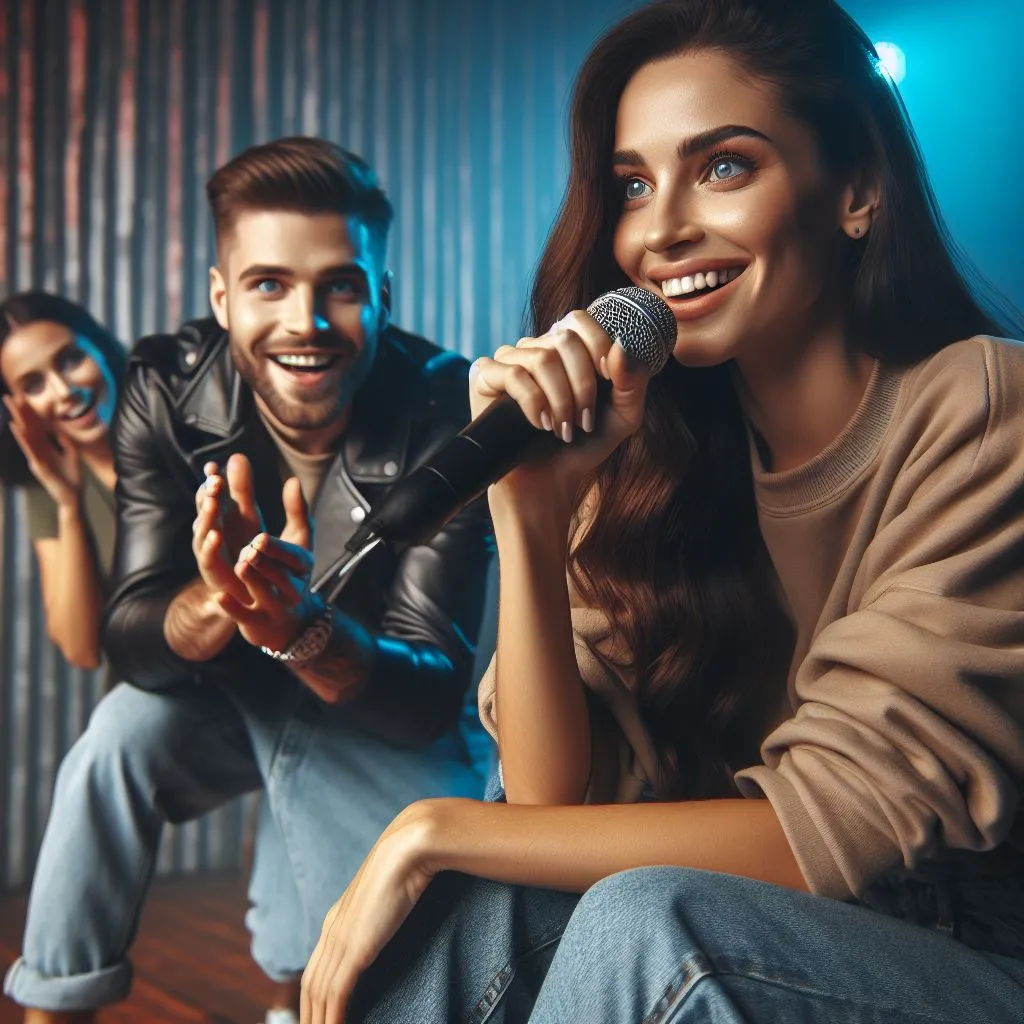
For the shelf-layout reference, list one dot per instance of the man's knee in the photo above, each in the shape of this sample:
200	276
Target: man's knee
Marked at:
130	731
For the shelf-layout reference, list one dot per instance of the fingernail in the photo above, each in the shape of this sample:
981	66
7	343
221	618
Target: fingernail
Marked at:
545	421
587	420
566	431
604	368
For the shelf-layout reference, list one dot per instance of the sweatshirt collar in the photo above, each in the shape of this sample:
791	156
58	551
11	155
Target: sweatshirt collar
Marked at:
833	470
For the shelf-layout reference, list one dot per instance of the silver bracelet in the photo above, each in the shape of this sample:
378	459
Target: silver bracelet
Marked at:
310	643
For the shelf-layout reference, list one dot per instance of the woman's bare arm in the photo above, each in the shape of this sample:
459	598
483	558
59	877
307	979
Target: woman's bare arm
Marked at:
571	848
71	591
540	700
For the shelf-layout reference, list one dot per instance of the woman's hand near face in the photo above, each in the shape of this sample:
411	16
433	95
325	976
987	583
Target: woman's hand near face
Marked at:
555	379
57	468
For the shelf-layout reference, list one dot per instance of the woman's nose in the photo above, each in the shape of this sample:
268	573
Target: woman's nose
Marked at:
670	223
59	386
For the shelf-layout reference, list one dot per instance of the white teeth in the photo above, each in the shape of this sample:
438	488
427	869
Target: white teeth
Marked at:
305	362
699	282
79	410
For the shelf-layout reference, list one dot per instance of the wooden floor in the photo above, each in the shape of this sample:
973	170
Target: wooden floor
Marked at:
191	958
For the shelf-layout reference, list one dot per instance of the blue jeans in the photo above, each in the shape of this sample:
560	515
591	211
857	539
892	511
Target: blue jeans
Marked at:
672	945
150	758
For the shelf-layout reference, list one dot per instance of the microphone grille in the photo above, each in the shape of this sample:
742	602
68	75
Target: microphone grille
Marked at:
640	321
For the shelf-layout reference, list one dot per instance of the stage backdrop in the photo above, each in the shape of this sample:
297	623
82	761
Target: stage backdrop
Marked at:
113	113
116	112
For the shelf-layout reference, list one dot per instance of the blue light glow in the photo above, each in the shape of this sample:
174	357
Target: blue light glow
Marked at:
893	61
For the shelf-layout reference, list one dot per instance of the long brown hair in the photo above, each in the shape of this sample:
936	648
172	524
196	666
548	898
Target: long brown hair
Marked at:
673	552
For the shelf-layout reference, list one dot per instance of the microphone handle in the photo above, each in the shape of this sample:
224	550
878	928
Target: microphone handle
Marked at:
497	441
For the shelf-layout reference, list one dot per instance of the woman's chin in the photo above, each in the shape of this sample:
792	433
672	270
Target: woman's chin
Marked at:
84	435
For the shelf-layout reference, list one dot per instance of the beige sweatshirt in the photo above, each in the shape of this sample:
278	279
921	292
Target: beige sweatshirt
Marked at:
900	549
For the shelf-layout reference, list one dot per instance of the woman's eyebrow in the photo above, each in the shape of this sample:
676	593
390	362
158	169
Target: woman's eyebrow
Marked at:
695	144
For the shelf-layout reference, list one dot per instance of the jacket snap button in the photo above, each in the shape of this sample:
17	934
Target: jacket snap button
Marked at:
390	468
190	358
358	514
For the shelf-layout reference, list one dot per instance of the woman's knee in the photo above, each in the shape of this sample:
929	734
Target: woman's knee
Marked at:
636	894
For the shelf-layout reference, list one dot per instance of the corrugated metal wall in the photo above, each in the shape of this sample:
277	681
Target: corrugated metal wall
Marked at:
114	113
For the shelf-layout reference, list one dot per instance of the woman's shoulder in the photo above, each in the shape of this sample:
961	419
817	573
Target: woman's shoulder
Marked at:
977	380
980	359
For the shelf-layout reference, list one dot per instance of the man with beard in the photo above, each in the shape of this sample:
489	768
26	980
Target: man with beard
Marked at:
295	407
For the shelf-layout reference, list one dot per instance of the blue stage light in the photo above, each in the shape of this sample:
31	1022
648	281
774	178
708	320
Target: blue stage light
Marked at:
893	61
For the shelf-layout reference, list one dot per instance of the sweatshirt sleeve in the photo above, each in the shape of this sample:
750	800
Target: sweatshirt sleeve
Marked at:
909	731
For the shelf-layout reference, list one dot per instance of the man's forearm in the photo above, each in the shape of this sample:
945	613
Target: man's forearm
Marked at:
403	692
343	667
195	626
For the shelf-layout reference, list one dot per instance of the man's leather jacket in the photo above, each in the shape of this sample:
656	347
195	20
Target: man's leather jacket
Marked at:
183	404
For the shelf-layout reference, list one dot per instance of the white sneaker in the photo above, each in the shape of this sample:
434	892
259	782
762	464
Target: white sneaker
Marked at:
281	1016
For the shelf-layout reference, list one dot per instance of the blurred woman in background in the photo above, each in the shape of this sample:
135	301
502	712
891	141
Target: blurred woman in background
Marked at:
59	376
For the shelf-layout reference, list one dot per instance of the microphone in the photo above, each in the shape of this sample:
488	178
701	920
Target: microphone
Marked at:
501	437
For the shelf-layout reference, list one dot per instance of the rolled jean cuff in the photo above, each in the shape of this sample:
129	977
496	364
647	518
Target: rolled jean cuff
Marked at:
29	987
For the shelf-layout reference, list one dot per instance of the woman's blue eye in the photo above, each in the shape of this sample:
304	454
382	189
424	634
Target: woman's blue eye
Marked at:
636	189
70	358
268	286
723	170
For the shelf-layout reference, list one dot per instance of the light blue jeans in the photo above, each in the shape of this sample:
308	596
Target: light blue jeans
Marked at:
672	945
150	758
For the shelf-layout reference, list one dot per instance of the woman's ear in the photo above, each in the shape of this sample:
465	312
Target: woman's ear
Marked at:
861	201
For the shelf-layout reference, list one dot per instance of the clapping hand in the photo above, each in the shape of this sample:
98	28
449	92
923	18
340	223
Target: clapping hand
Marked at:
227	518
260	581
276	574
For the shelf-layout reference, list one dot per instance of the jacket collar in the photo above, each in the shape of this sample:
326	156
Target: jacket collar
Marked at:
375	445
374	449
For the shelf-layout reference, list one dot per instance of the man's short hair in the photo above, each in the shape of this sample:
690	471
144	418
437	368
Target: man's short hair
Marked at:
302	174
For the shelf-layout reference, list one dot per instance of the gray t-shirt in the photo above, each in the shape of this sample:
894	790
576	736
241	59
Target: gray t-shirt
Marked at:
100	518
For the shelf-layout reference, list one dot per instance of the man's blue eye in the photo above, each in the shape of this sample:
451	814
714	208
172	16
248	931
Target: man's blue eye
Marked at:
268	286
636	189
342	287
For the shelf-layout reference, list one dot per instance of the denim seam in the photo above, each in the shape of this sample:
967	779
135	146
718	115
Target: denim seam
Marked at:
498	985
690	971
698	967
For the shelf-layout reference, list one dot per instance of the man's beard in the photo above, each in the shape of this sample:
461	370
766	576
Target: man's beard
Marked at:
308	415
299	415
